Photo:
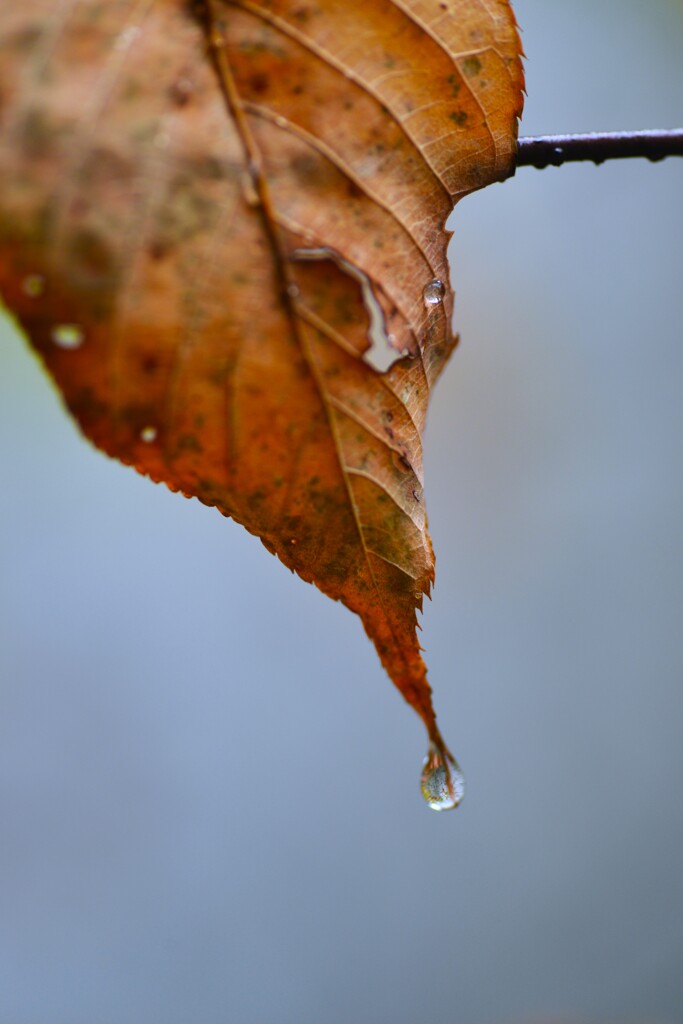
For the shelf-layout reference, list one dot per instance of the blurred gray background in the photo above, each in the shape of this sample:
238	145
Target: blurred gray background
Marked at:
208	789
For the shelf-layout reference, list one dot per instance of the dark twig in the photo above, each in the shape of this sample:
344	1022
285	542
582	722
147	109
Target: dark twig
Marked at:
553	150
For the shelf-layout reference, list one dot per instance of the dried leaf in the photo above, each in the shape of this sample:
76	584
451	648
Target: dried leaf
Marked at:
218	218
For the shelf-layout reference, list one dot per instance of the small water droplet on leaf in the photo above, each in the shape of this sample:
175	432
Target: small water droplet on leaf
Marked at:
148	434
434	292
68	335
442	781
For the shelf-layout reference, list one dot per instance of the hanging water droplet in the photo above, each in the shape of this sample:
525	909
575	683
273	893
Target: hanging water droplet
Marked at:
293	290
33	285
68	335
434	292
442	781
148	434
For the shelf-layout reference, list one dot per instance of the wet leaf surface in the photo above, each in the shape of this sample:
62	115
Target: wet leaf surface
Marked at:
222	228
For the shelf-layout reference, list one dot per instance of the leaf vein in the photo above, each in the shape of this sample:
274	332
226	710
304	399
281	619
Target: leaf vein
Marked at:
329	58
334	158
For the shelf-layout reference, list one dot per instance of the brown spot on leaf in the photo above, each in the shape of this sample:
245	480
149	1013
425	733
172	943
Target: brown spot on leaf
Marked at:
471	66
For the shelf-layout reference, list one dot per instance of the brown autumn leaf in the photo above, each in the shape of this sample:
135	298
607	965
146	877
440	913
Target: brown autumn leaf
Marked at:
207	205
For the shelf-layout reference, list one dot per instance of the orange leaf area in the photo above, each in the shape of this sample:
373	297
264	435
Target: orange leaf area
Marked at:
222	228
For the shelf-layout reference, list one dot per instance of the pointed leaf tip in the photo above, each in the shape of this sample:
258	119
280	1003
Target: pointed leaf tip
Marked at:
207	211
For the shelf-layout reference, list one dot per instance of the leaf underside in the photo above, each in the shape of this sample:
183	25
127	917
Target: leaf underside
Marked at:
201	206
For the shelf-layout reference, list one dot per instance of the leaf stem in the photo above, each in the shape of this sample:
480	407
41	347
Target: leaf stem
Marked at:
553	150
